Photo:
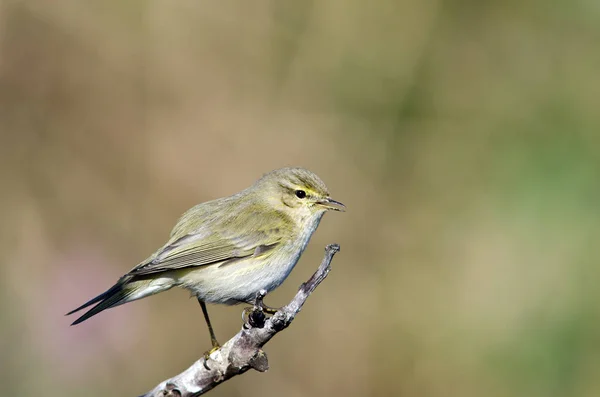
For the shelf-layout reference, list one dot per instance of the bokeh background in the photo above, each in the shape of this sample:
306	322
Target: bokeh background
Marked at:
464	137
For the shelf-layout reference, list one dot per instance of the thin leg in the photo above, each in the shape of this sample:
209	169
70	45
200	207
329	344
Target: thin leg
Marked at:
258	303
213	339
269	309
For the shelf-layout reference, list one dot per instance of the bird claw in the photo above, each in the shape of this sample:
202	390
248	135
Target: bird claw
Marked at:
207	356
254	317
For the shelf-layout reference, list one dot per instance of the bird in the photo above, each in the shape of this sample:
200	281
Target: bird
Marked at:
226	250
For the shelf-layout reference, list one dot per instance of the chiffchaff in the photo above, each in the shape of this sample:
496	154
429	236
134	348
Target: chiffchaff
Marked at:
226	250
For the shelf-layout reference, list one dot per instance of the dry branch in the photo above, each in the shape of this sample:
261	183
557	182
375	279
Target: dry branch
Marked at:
243	351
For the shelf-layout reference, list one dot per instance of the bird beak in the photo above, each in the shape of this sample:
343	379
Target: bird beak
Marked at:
331	204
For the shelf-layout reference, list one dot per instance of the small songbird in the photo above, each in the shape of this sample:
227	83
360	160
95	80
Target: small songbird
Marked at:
226	250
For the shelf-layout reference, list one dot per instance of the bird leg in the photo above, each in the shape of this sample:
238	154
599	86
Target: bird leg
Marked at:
213	338
269	309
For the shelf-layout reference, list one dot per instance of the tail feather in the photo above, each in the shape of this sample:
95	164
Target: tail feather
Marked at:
115	298
115	288
125	290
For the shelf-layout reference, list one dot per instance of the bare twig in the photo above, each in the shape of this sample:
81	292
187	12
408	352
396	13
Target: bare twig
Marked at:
243	351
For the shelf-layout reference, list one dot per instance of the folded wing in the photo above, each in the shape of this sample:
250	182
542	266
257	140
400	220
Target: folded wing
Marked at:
204	248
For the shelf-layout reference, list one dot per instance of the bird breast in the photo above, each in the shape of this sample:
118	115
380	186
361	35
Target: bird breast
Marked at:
240	281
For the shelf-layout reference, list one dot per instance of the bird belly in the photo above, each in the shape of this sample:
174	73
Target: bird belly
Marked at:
239	281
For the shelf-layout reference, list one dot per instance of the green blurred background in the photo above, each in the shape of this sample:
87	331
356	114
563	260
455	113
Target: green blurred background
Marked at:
464	137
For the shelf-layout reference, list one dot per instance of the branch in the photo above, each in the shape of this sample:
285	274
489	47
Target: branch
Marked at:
243	351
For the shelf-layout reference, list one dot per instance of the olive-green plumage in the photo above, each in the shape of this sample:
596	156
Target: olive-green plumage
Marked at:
226	250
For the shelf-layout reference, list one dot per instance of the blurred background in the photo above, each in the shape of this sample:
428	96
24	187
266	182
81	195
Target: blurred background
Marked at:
464	137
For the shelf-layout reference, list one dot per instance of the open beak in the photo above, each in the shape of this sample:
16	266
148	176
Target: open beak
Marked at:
331	204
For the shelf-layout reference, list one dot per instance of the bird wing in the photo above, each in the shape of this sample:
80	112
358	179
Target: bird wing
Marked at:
205	247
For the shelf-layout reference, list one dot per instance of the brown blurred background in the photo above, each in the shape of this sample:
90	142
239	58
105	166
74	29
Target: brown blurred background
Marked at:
462	135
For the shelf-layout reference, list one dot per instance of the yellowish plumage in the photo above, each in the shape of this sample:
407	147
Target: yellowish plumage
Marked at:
226	250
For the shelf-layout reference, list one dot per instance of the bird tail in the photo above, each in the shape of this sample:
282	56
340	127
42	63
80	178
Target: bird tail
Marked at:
124	291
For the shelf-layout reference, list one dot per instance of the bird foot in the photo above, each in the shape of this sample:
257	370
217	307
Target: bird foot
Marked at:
207	355
254	317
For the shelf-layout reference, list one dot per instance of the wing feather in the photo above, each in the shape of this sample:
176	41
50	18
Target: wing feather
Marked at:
210	250
257	234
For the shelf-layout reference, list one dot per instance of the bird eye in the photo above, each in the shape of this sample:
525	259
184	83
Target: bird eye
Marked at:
300	194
